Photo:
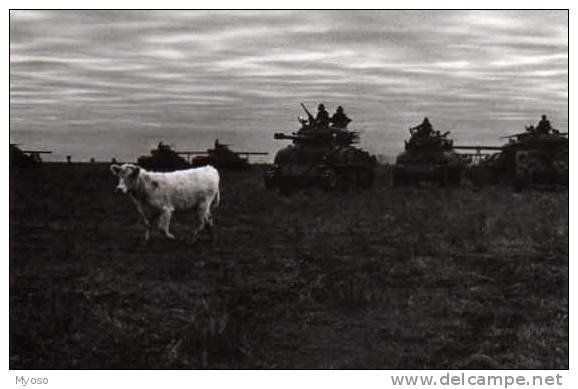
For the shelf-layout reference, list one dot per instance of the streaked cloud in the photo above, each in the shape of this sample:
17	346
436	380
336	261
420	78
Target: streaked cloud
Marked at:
113	83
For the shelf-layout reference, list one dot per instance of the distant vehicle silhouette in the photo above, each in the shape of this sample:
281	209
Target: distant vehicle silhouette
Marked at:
321	156
536	157
221	157
25	158
428	157
163	159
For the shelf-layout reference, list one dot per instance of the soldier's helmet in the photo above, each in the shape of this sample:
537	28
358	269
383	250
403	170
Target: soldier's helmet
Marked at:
340	109
321	107
543	117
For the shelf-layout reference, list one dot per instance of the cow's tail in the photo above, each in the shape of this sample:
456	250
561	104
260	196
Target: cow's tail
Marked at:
216	200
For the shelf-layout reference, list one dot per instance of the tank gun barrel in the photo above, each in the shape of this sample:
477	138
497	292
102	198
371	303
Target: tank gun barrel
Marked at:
478	147
37	151
513	135
190	152
194	152
280	135
526	133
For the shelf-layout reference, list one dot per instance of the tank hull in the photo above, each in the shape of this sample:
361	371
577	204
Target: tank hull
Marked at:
329	168
20	159
412	167
536	161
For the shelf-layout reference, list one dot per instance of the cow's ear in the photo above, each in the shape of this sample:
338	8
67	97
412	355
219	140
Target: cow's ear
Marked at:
135	172
115	169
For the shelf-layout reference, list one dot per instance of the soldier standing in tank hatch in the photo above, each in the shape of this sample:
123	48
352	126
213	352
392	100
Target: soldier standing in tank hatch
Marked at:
322	118
424	129
339	118
544	126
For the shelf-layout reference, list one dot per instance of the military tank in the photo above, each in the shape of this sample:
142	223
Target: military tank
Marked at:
429	156
320	156
536	157
25	158
163	159
222	157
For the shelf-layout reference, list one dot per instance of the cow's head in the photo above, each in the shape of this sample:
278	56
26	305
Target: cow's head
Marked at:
127	176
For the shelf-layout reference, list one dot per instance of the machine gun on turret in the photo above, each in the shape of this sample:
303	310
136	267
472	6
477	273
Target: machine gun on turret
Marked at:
309	114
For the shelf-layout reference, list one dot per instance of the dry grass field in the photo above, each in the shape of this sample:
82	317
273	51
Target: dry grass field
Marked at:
408	278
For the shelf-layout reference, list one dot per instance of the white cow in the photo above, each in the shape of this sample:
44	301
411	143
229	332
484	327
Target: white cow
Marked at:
158	195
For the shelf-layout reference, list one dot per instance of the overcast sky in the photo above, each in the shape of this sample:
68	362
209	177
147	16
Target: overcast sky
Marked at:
112	84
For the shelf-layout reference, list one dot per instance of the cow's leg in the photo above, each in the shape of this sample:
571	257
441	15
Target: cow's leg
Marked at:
147	217
147	229
202	211
209	225
151	221
209	216
164	221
